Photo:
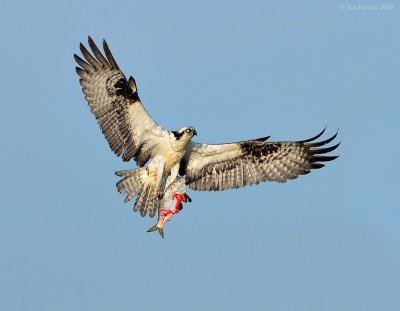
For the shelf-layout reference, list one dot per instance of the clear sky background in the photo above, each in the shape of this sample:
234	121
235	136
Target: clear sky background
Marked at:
234	70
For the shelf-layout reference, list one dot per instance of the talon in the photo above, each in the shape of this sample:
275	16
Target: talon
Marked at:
187	197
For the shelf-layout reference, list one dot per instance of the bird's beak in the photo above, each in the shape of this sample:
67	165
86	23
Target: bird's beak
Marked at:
194	132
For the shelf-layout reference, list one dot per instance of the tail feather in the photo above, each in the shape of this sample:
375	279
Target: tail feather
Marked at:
139	201
131	184
136	205
153	206
124	173
143	202
137	183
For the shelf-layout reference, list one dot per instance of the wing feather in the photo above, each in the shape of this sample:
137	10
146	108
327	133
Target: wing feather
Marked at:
103	61
114	101
234	165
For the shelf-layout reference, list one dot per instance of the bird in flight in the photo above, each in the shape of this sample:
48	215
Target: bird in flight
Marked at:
162	155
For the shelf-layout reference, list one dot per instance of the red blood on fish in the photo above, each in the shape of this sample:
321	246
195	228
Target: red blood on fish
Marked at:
166	214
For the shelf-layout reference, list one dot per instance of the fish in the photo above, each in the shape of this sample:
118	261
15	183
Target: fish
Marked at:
171	203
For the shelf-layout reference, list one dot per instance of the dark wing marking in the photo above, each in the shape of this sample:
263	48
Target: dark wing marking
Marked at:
129	130
235	165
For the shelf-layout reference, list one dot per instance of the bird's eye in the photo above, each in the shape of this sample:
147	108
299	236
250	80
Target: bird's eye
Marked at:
187	131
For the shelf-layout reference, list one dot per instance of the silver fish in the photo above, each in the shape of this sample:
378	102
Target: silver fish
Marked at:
171	203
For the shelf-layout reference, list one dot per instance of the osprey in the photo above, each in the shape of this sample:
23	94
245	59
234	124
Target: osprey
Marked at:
163	155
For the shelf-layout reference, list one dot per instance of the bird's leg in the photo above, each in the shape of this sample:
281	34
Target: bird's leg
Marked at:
160	172
161	189
172	176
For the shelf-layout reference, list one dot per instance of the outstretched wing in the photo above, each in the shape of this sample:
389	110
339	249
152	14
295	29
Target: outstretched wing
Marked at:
235	165
129	130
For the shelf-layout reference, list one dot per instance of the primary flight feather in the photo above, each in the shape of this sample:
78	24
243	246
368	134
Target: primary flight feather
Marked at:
162	155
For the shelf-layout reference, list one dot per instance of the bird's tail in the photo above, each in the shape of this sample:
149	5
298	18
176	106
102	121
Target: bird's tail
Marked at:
156	227
131	183
138	183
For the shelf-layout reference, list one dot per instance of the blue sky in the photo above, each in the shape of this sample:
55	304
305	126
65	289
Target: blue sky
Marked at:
234	70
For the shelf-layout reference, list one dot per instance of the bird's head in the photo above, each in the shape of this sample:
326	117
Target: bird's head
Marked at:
186	133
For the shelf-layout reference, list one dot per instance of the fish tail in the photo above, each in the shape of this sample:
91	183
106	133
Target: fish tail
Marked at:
161	232
155	228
